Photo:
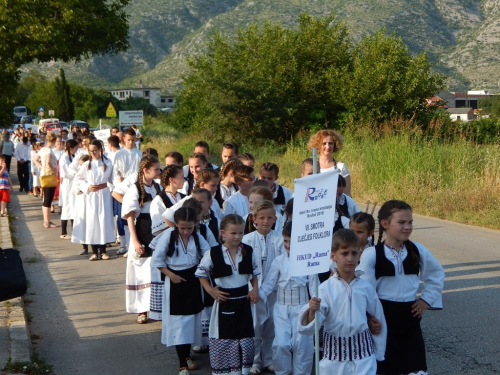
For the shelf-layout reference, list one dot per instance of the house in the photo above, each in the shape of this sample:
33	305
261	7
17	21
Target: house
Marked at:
464	99
462	114
167	101
150	93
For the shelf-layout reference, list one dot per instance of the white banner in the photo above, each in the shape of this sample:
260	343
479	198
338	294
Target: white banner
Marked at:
129	118
103	136
313	221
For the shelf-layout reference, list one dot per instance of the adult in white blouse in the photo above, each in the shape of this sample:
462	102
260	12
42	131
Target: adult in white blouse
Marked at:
67	198
328	142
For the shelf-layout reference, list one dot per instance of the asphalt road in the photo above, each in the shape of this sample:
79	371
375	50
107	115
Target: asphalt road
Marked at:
80	325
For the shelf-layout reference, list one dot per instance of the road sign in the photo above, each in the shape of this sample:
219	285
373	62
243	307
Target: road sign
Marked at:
41	109
51	112
110	112
40	113
129	118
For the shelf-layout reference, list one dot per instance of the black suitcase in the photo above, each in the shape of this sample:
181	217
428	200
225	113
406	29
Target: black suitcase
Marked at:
12	278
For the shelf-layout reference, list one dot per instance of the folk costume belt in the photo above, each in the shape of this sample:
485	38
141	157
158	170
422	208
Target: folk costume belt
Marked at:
350	348
293	297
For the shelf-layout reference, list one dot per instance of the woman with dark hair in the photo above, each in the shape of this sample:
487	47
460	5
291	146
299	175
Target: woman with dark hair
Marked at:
67	199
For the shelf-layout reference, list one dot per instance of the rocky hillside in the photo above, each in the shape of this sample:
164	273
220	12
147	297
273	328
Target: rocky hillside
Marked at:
461	36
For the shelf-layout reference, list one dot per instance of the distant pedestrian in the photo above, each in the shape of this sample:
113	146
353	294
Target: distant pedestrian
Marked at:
7	149
48	165
5	186
22	154
138	137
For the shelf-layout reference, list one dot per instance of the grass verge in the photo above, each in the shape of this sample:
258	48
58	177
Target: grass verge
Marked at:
37	366
456	180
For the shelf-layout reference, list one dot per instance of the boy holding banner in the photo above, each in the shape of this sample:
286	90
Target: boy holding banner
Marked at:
343	304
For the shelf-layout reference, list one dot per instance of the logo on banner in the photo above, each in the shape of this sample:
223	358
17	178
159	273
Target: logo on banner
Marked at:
313	194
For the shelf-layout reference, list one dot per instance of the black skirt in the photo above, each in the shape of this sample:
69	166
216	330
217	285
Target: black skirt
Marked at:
405	350
144	235
186	296
235	315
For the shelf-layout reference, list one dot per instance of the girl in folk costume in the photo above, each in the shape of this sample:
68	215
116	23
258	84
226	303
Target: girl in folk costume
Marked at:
329	141
233	265
395	267
67	198
197	162
363	224
292	353
172	180
238	202
135	209
343	304
267	245
227	186
95	227
35	169
209	179
177	254
209	223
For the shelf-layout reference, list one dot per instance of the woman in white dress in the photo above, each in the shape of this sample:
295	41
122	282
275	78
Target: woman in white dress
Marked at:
136	210
96	226
329	141
67	199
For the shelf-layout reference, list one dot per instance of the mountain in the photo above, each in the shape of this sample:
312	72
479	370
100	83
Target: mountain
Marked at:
462	37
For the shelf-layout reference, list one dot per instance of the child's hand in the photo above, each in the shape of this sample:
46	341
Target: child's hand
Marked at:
219	295
314	304
418	308
253	296
176	279
374	325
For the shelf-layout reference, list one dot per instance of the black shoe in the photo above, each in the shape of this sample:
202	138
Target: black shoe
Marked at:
20	190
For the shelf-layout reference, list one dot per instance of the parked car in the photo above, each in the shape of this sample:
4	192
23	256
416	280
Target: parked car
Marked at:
53	126
26	120
79	123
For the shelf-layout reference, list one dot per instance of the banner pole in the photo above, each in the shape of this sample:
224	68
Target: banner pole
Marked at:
316	287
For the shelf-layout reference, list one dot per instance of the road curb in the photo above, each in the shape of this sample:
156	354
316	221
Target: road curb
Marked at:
20	349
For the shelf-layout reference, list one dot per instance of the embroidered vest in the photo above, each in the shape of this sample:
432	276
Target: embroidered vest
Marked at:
166	200
384	267
147	196
280	197
221	269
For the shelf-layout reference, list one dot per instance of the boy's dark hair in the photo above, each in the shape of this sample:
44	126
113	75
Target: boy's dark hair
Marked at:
150	151
202	144
231	146
191	202
246	156
84	158
242	172
260	183
344	238
208	195
115	128
130	132
177	156
364	217
200	156
114	141
270	167
287	230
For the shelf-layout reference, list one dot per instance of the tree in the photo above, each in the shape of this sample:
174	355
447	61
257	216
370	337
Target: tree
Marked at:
386	81
39	30
491	105
270	82
64	106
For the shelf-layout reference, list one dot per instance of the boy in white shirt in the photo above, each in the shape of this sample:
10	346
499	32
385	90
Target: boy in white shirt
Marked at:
238	202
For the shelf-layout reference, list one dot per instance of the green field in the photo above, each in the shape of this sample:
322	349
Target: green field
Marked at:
454	180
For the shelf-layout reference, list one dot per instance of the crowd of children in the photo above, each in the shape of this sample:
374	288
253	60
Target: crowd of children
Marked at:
207	253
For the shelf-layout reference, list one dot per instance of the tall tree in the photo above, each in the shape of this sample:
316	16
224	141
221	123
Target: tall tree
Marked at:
64	107
270	82
40	30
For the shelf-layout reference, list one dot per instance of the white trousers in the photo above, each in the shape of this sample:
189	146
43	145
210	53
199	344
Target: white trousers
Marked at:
264	331
292	352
